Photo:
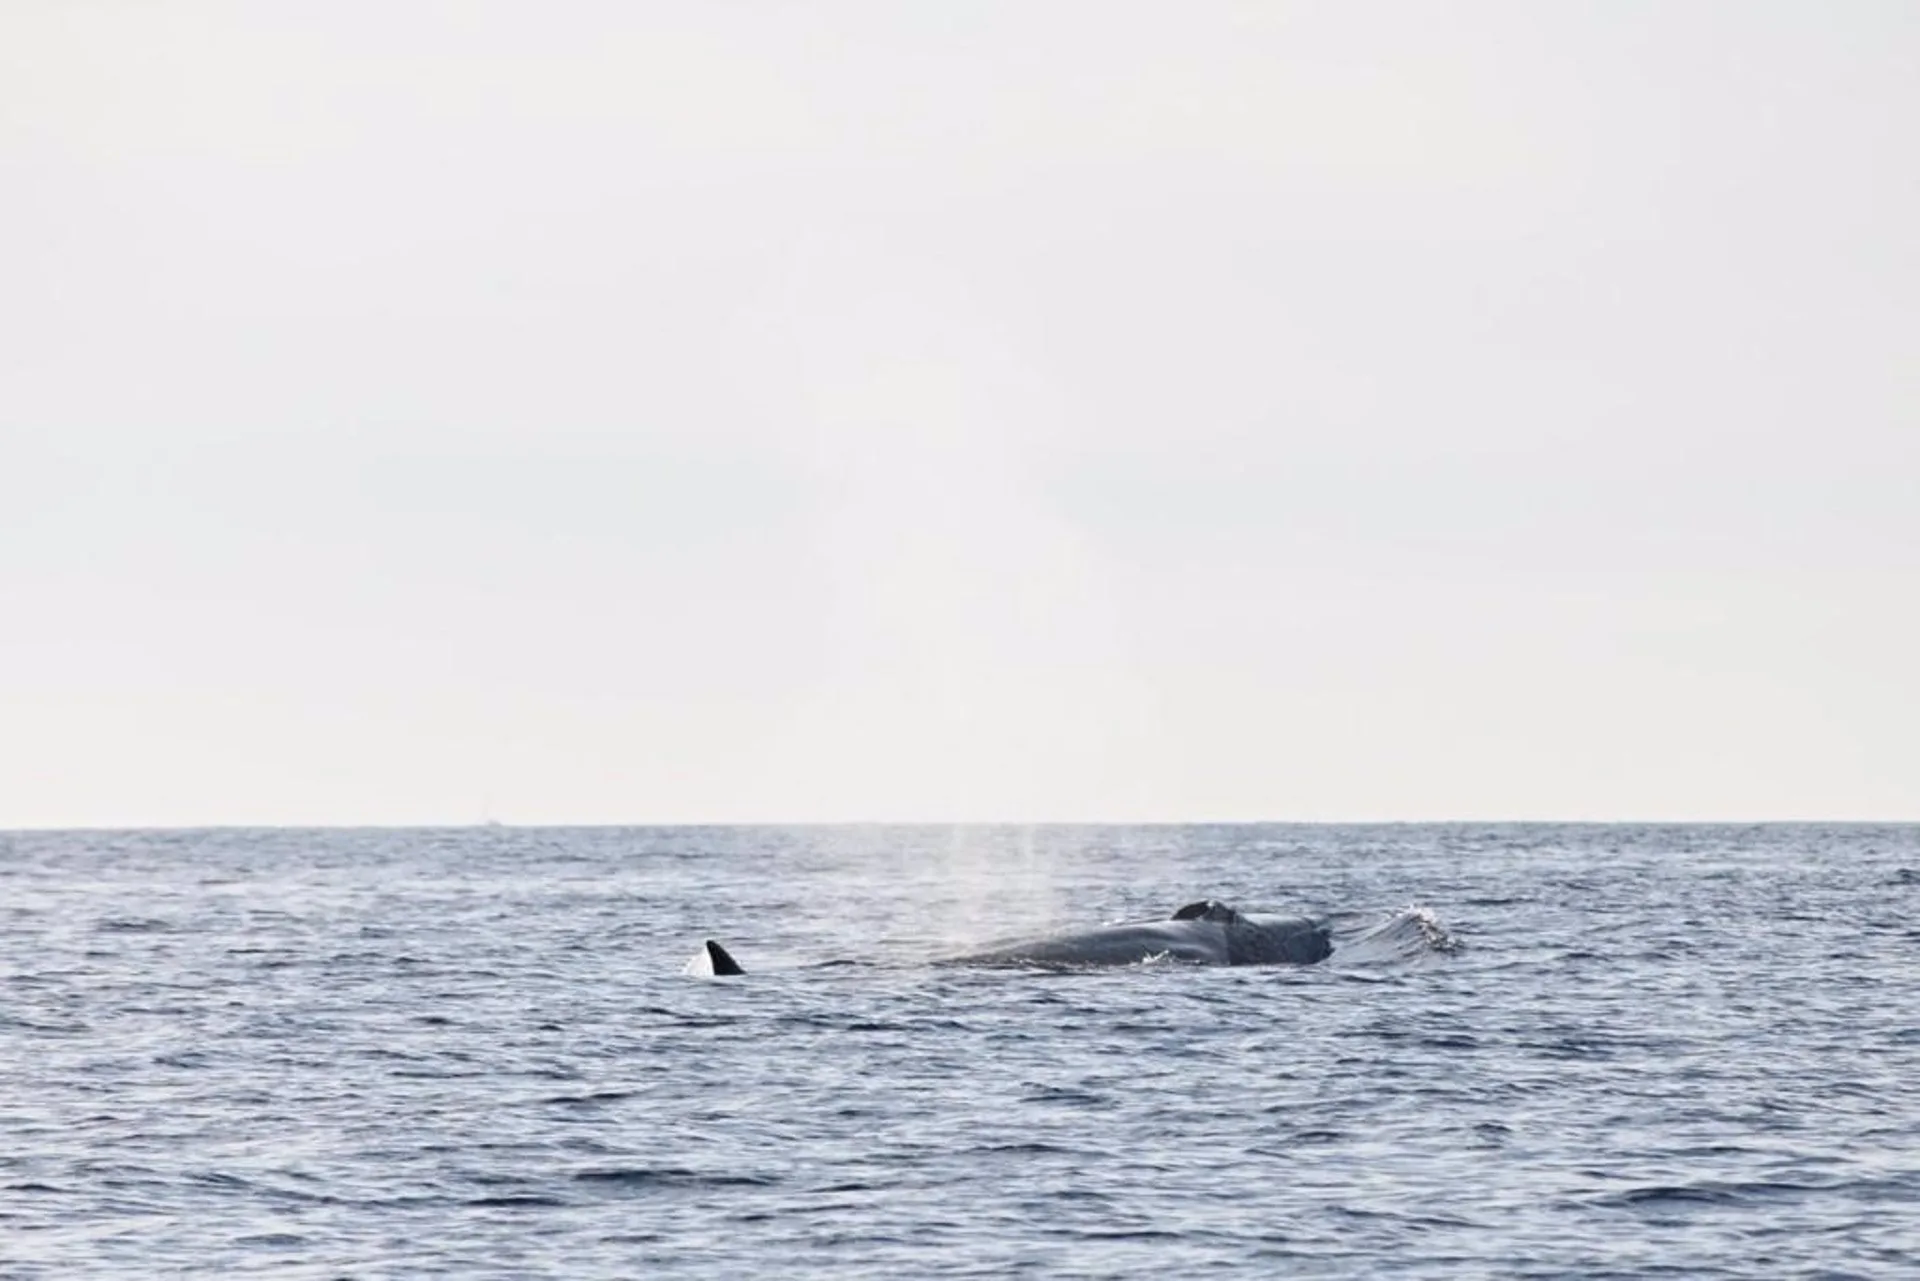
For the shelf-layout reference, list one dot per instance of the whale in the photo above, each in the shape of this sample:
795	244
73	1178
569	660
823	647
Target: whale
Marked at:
1208	932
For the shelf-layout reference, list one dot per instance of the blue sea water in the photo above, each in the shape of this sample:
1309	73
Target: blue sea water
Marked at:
1536	1051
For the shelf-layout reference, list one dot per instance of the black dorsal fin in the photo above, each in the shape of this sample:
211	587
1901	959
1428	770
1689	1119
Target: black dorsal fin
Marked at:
1206	910
721	962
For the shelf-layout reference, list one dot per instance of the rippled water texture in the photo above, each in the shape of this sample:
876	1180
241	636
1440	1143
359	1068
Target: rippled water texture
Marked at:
402	1053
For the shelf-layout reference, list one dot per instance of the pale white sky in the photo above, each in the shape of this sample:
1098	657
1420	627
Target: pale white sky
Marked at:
611	412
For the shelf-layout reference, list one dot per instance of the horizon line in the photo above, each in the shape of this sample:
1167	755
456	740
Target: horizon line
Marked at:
623	825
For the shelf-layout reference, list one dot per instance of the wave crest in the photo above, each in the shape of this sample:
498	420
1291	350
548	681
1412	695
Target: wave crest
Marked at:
1405	936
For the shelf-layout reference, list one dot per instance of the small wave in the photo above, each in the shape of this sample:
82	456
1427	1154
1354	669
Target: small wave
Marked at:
32	1025
647	1176
1035	1148
1706	1192
1064	1095
135	925
1119	1234
1406	936
594	1099
1674	1192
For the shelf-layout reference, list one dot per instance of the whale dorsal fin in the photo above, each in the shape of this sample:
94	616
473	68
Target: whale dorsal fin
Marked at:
1207	910
712	960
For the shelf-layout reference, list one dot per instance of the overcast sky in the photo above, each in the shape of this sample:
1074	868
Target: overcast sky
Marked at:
731	411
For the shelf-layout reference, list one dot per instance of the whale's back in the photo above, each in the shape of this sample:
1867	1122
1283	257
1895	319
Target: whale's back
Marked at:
1278	940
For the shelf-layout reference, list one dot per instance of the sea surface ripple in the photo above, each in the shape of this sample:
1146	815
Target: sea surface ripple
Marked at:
1537	1051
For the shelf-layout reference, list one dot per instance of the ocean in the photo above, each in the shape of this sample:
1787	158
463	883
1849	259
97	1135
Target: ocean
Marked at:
1536	1051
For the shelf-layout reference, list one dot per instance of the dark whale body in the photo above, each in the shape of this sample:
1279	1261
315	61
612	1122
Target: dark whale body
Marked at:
1204	933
